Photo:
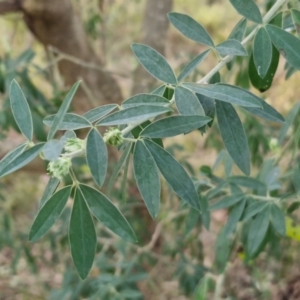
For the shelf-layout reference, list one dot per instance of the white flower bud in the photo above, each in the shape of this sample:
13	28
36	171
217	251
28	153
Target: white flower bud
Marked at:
59	168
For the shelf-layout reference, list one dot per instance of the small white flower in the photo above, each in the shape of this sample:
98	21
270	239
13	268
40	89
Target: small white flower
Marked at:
59	168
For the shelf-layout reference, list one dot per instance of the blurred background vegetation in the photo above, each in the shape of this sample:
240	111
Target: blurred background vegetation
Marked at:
47	47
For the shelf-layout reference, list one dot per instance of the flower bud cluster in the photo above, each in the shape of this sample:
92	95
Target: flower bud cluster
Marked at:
113	137
59	168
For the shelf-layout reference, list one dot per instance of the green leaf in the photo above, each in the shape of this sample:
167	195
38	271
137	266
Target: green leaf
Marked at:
147	177
172	126
238	31
208	105
96	156
106	212
97	113
247	182
233	135
234	217
226	93
227	201
268	112
145	99
187	102
296	20
231	47
154	63
248	9
133	115
49	213
11	155
21	110
159	91
59	117
174	174
188	69
118	167
82	236
190	28
296	179
263	84
253	209
21	160
288	122
70	122
262	52
53	149
278	219
50	189
287	44
257	231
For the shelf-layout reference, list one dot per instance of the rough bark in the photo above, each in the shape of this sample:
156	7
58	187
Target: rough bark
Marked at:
55	23
154	32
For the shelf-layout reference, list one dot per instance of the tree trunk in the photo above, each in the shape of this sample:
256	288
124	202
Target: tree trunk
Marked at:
154	30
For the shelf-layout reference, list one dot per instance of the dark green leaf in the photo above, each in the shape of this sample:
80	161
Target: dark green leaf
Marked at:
11	155
288	122
263	84
188	69
106	212
50	189
96	156
287	44
187	102
234	217
247	182
154	63
21	110
293	207
296	20
173	126
190	28
99	112
174	174
118	167
296	179
248	9
147	177
21	160
208	105
145	99
233	135
133	115
231	47
238	31
70	122
226	93
262	52
82	236
59	117
253	209
257	231
278	219
53	149
227	201
49	213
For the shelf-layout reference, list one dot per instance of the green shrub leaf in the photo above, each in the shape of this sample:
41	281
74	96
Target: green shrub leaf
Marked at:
147	177
70	122
59	117
49	213
21	160
253	209
82	236
227	201
233	135
231	47
190	28
106	212
10	156
226	93
49	190
187	102
21	110
278	219
248	9
175	174
287	44
145	99
154	63
53	149
96	156
133	115
97	113
247	182
175	125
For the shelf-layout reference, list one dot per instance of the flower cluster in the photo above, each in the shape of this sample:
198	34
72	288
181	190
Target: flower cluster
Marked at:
113	137
60	167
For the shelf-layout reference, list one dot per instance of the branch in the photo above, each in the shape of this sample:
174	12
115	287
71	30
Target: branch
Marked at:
9	6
